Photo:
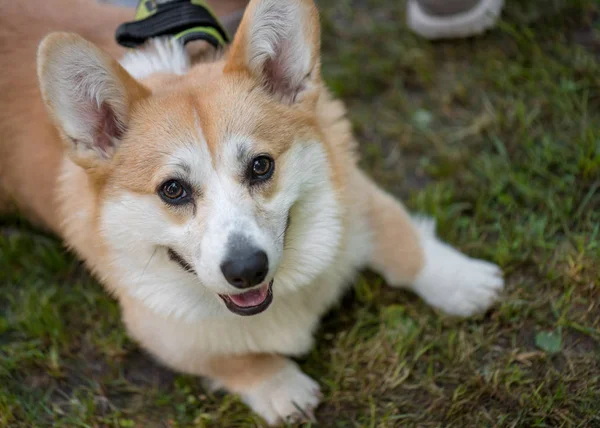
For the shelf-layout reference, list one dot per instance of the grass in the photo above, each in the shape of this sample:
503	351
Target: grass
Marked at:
498	137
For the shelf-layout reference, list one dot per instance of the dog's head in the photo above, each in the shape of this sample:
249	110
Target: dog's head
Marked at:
215	190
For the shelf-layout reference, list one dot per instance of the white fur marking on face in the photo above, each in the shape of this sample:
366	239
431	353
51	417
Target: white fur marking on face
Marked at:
159	55
288	396
451	281
230	210
315	230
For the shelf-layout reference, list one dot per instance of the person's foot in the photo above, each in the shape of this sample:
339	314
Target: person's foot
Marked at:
447	19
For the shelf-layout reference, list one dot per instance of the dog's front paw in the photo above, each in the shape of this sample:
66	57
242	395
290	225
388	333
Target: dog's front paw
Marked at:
453	282
288	396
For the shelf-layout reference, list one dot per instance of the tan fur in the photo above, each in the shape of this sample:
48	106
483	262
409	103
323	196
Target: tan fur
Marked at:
395	240
43	178
237	373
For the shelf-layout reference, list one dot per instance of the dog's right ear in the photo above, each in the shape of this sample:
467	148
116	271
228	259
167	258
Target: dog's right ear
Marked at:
89	95
278	43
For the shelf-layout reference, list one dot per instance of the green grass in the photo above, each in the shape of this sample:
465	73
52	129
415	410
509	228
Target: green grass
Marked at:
498	137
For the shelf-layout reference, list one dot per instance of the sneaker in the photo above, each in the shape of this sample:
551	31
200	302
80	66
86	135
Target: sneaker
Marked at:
448	19
230	12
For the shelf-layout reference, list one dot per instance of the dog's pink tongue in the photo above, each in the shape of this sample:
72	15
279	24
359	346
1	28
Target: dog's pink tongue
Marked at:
250	298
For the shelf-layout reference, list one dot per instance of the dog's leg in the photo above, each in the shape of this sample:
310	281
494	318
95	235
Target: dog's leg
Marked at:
407	253
273	386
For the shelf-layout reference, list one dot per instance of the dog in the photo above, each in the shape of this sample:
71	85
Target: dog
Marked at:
221	202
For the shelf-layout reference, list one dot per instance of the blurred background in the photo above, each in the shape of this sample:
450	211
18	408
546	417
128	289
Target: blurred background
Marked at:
497	136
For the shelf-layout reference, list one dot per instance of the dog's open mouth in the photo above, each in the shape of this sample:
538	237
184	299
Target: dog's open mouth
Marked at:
251	302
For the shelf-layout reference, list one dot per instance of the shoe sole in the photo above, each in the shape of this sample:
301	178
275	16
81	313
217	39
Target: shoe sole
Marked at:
472	22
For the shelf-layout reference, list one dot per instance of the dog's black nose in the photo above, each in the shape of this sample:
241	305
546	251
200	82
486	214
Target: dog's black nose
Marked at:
245	267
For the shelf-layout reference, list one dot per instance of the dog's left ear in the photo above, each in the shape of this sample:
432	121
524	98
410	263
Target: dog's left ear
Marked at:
89	95
278	43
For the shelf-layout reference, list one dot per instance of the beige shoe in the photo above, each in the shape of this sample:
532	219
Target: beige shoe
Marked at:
447	19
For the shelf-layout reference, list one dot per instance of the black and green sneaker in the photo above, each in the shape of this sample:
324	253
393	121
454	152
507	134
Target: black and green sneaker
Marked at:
184	20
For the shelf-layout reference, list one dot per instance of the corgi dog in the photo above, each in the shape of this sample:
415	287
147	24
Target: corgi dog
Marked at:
219	202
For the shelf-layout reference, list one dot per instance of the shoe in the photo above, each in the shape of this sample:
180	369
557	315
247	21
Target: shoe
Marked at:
230	12
448	19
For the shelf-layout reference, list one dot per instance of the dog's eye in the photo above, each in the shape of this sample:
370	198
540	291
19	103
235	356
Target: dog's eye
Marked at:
173	192
262	168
